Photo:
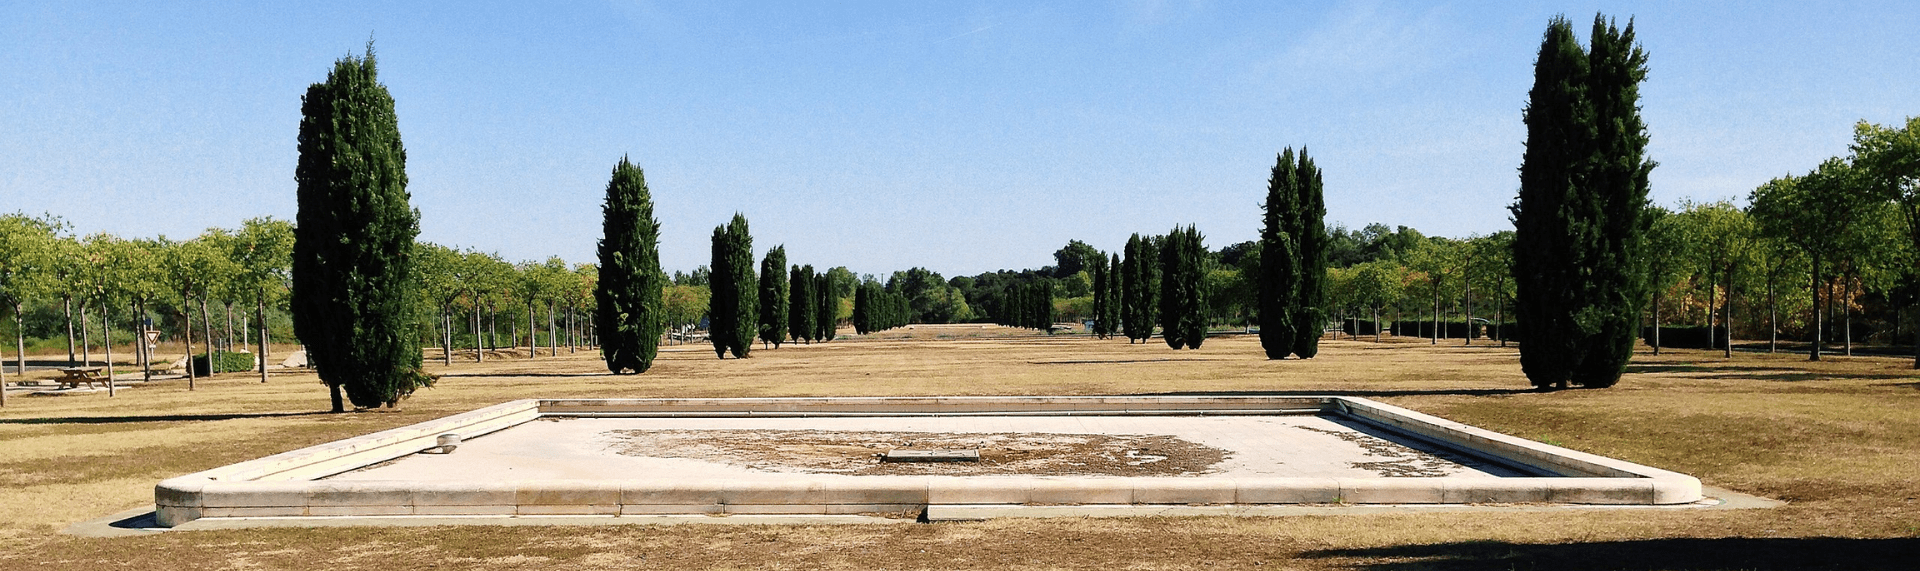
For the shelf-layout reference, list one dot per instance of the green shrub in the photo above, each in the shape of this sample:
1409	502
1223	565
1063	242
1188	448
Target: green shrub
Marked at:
223	362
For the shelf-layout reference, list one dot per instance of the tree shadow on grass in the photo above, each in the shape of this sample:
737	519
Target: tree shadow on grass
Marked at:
1778	374
1347	393
1730	553
512	374
154	418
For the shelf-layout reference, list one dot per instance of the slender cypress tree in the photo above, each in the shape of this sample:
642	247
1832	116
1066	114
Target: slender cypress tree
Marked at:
862	310
773	296
1579	221
628	312
1617	183
1183	300
828	305
1043	306
1547	228
1309	311
1138	310
1112	315
1279	267
801	312
735	301
354	297
1100	325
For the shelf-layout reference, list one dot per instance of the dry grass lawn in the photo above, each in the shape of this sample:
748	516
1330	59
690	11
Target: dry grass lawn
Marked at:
1839	440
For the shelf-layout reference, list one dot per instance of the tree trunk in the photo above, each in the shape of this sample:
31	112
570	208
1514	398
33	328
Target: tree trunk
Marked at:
1469	286
141	352
262	308
1726	313
493	328
106	342
1713	293
1814	355
479	355
86	340
67	301
1436	316
446	329
553	339
1846	312
206	321
3	380
19	340
1773	319
186	332
1656	321
338	405
533	337
229	305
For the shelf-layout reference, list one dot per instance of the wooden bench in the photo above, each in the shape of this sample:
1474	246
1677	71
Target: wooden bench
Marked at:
73	376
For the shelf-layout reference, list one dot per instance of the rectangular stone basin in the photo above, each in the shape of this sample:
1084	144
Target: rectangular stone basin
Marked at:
823	456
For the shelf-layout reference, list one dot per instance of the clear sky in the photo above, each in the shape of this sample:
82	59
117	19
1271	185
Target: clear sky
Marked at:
958	136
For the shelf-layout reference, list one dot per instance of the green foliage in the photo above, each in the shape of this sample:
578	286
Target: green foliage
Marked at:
1101	326
827	307
801	314
1309	305
1579	227
353	290
1137	290
1111	309
1183	300
222	362
773	296
735	292
1280	265
630	301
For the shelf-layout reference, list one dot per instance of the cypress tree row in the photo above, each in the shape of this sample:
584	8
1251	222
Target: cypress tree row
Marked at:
627	307
1309	307
354	296
1279	264
1183	299
1579	219
1041	312
735	297
801	313
773	296
828	306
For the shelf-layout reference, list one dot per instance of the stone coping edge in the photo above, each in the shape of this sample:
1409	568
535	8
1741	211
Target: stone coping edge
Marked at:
287	484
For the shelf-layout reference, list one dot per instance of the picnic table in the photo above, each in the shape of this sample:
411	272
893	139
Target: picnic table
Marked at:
73	376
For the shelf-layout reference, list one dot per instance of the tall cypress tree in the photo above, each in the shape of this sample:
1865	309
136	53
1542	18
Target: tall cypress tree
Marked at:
1617	184
827	303
1183	300
773	296
1579	219
734	307
1099	298
1112	315
628	313
1138	310
801	312
1279	267
354	297
1310	239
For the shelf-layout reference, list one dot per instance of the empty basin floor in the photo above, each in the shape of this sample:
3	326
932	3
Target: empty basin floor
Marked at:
774	448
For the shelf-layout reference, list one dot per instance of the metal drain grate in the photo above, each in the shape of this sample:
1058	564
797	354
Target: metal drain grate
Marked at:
909	455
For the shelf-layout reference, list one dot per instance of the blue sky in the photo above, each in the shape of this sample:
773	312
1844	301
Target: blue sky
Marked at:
958	136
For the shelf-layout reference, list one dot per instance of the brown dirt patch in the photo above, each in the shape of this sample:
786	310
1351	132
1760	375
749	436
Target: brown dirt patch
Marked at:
858	453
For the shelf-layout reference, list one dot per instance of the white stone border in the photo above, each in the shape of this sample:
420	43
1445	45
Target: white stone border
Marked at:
287	484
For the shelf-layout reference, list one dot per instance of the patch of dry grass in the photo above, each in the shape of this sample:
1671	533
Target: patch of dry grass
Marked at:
1840	439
